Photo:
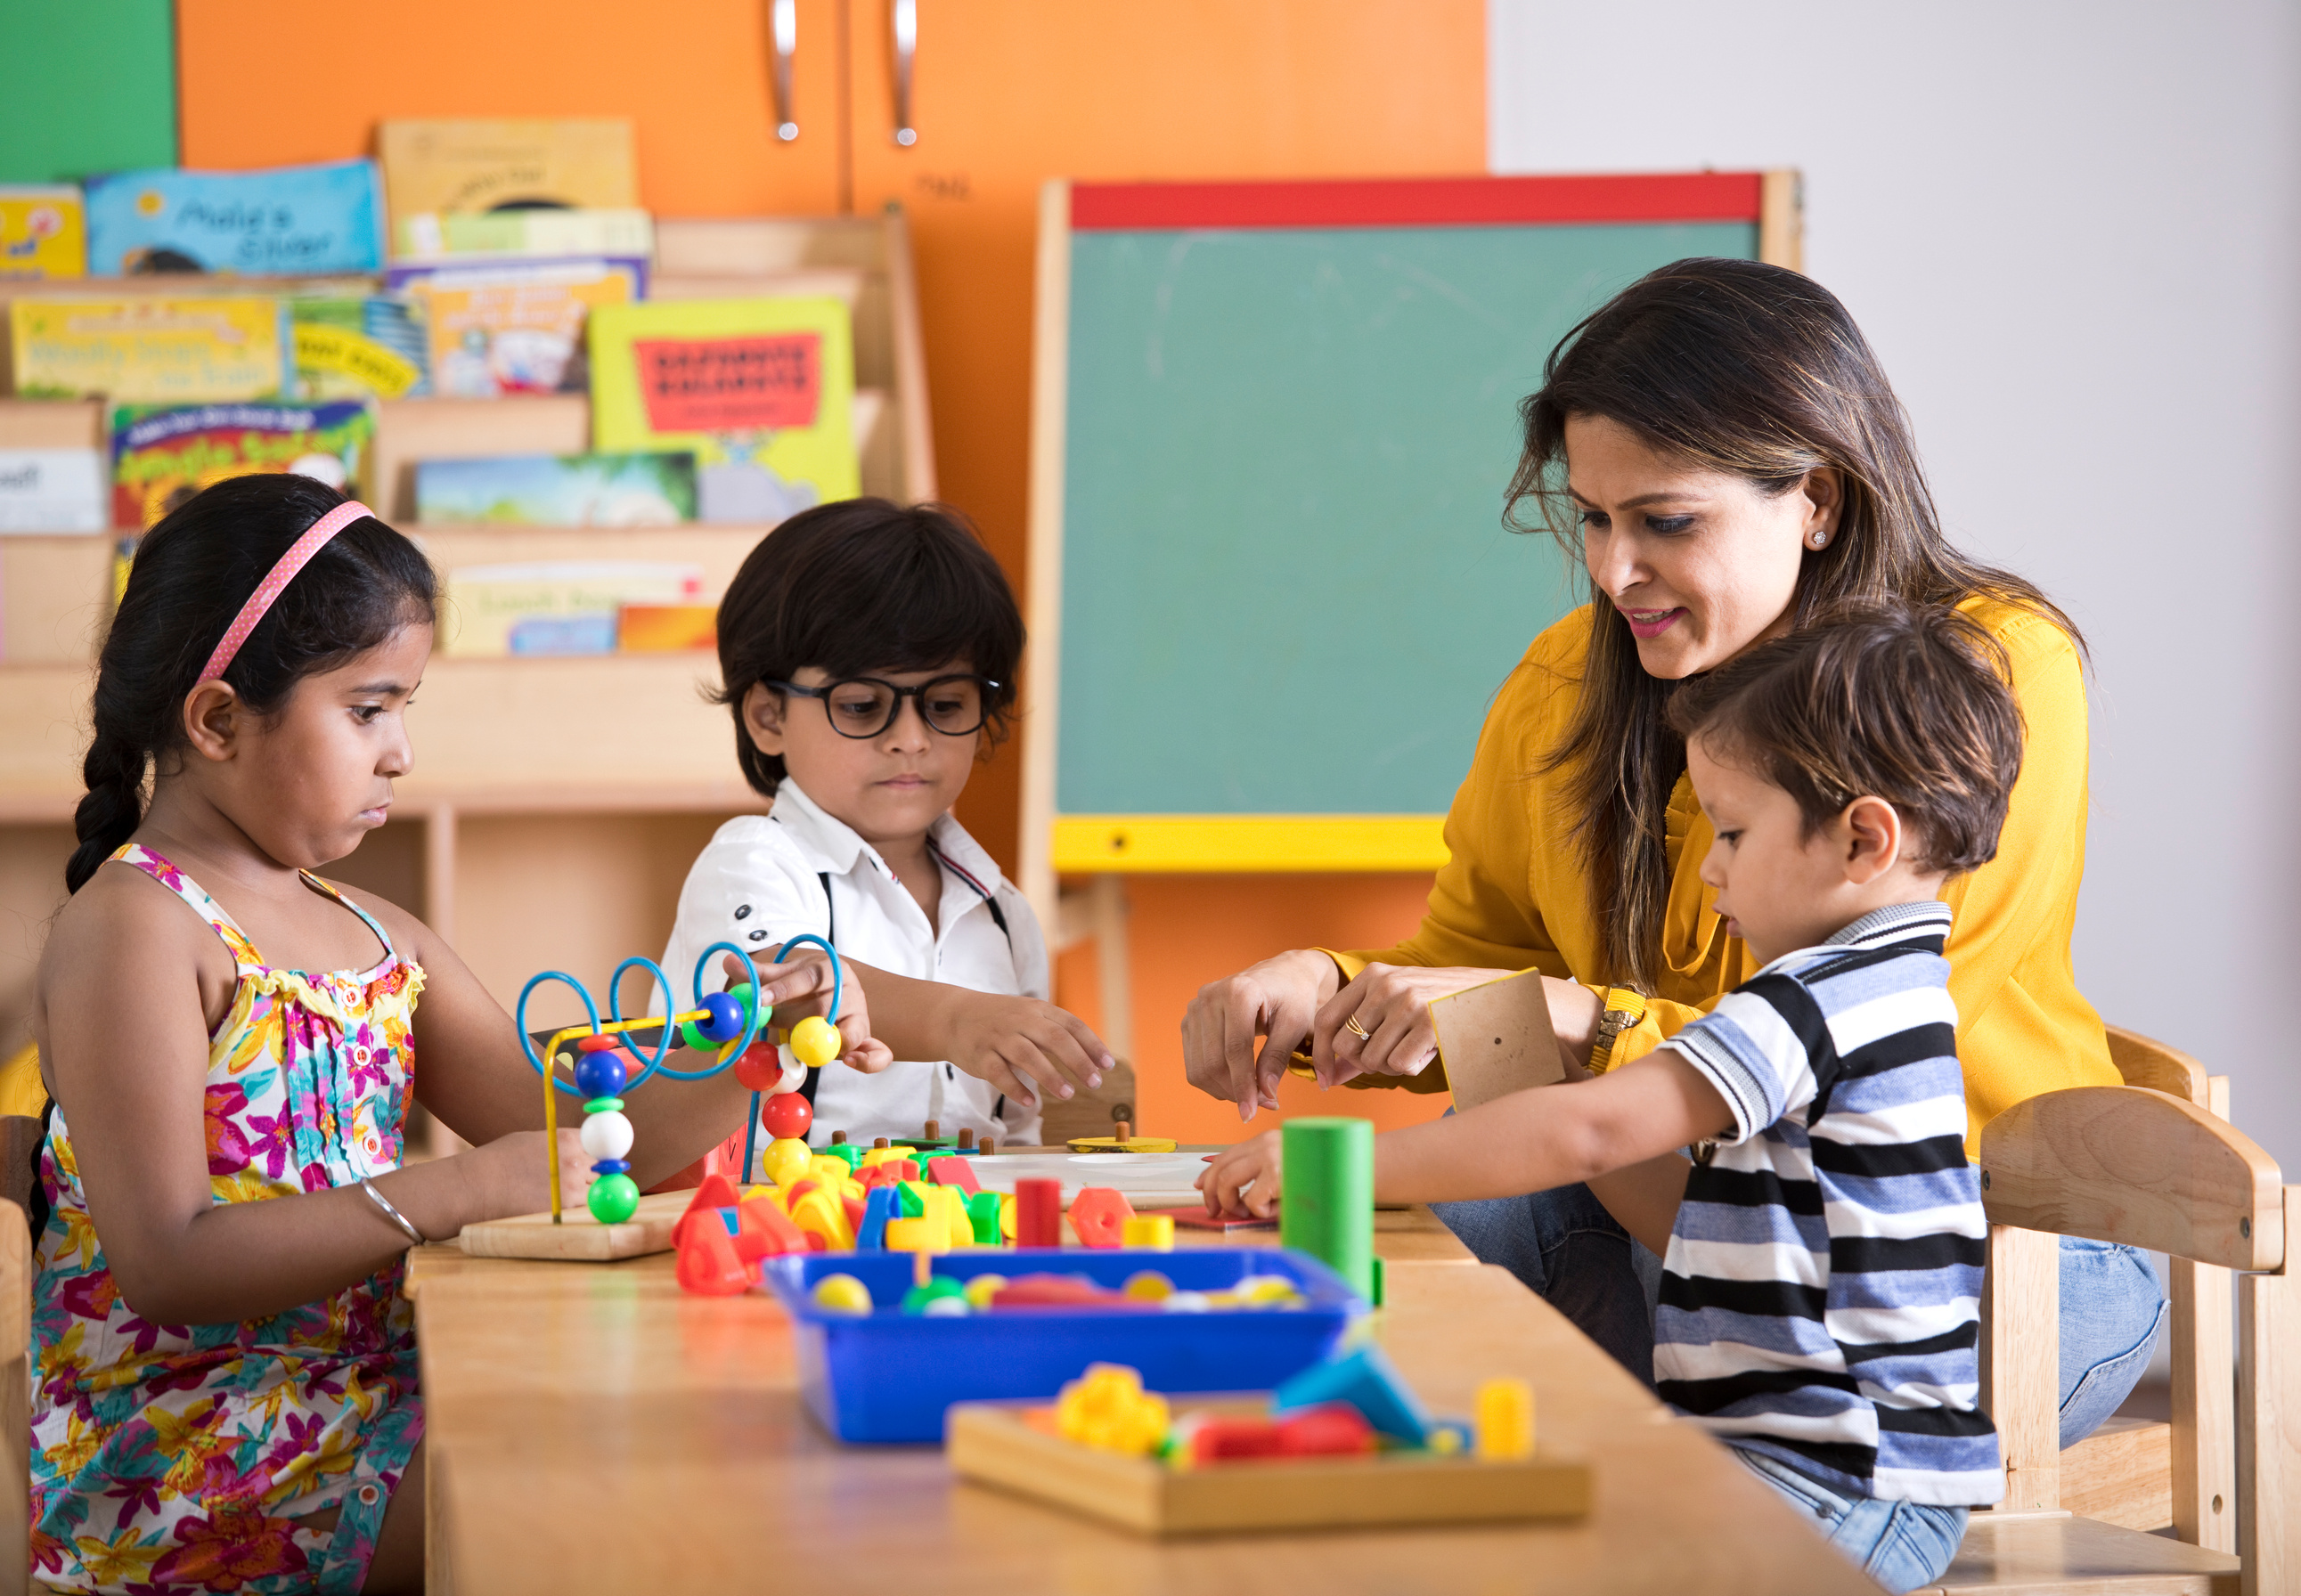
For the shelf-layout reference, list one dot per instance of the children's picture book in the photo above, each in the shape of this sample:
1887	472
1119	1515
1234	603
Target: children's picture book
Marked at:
666	628
348	348
632	489
160	457
512	329
434	168
554	607
154	351
52	491
521	235
761	389
276	221
42	231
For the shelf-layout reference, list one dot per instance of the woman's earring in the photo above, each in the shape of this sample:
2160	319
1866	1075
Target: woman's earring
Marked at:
1819	539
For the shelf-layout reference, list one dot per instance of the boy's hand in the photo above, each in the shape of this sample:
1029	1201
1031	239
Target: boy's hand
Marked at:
1244	1180
1029	1049
802	987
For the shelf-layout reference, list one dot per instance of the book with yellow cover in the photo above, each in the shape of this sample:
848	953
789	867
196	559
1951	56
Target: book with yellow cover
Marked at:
760	389
434	168
42	231
512	329
149	351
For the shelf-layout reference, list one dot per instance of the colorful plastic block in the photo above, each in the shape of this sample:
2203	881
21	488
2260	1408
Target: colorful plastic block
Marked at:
1505	1420
716	1191
917	1234
1098	1217
982	1218
823	1218
1366	1381
708	1264
950	1170
1038	1213
1325	1433
763	1230
1108	1409
1153	1233
878	1208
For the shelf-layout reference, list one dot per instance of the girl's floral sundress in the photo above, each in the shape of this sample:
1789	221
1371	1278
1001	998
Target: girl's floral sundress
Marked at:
173	1458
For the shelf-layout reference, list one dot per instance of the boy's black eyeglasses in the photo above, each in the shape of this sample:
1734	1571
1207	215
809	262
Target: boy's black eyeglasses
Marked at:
865	705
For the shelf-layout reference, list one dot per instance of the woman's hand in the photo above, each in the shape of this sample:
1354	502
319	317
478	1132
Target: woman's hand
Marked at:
1244	1180
1277	999
801	986
1391	1006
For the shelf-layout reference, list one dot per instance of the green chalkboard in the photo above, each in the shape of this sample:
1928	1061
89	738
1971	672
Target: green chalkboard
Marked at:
91	88
1285	588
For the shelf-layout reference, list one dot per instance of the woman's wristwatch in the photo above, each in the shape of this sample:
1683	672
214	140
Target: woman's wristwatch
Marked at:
1624	1008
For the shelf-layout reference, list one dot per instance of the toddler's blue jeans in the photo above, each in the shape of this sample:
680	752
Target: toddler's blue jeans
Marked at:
1901	1545
1568	1250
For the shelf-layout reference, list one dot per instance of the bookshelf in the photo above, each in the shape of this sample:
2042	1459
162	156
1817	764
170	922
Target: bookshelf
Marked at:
554	802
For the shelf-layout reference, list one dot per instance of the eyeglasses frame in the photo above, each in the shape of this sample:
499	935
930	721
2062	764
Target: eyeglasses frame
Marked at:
895	712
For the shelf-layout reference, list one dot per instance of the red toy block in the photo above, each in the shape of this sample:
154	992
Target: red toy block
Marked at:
854	1207
716	1191
802	1188
952	1172
708	1265
1062	1290
765	1231
1336	1431
1224	1440
1099	1214
1038	1213
890	1172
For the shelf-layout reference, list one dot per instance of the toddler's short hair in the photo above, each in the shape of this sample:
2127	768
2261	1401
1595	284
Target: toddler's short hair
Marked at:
865	585
1906	702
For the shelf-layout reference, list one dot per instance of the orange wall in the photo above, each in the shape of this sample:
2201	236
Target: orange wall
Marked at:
1009	93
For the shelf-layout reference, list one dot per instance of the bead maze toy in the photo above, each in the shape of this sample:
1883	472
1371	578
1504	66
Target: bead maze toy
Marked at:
600	1060
1343	1442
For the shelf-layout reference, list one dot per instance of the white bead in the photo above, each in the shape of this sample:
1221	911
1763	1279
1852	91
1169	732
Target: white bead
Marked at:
794	1072
606	1134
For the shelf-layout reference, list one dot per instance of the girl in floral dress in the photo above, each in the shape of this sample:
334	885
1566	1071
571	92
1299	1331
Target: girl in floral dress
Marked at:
225	1394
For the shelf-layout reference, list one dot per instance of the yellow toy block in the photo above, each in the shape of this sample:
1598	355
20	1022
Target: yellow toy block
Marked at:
884	1155
1505	1420
1007	1214
952	1202
820	1213
1155	1231
920	1234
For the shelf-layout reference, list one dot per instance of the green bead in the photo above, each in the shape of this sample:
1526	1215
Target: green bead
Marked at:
614	1199
695	1039
603	1105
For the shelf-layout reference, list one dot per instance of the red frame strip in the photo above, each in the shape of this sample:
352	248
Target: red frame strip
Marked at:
1418	202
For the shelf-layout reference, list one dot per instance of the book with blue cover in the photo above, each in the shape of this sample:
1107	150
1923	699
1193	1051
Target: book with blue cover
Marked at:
626	489
276	221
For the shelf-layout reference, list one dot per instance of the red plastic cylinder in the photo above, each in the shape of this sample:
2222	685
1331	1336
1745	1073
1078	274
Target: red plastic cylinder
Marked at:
1038	1213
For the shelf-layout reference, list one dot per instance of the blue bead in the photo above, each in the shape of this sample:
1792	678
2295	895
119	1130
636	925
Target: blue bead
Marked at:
600	1074
724	1021
611	1166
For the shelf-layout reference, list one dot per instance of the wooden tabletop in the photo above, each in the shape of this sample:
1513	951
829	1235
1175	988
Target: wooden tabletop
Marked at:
592	1428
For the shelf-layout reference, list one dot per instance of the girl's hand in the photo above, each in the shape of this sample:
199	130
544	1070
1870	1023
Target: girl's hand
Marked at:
802	987
1277	999
1026	1048
1244	1180
1391	1003
509	1177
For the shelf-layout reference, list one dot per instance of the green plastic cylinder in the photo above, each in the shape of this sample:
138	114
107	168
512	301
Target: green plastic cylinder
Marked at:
1327	1208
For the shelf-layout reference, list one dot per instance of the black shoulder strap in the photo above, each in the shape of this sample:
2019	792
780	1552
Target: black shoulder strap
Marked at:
808	1087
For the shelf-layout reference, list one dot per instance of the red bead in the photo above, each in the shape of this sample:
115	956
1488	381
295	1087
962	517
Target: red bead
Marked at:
787	1114
758	1066
593	1043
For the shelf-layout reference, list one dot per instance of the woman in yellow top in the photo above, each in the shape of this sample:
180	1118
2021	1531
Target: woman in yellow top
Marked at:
1720	448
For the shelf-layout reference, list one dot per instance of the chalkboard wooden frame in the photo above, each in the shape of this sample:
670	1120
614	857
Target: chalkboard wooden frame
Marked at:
1053	842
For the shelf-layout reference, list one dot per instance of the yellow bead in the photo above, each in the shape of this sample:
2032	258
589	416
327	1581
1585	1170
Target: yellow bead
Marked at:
842	1294
1506	1419
1152	1232
1149	1286
815	1041
785	1160
982	1289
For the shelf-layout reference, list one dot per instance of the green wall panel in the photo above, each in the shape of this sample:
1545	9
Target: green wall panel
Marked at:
91	87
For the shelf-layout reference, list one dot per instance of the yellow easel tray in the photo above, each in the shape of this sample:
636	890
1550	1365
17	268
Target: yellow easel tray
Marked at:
997	1444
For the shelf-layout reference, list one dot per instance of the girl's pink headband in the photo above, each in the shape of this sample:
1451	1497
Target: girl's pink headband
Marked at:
267	591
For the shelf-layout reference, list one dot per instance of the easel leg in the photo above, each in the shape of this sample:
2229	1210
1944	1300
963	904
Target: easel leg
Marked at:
1114	966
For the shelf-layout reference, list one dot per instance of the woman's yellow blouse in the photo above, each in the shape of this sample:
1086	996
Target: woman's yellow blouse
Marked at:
1512	895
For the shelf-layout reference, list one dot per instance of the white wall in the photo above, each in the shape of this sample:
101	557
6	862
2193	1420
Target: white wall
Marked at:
2072	229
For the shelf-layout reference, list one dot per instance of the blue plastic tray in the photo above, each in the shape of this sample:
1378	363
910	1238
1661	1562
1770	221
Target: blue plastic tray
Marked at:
890	1376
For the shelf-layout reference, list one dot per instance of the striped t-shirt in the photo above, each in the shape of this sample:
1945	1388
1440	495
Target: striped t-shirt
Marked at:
1821	1301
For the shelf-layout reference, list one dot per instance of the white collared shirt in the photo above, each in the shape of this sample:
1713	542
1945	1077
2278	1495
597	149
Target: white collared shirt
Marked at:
761	880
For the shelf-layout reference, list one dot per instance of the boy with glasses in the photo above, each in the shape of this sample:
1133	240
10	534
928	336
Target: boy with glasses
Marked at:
868	653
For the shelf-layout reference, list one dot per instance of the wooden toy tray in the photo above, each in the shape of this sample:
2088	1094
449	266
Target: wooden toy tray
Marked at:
579	1238
998	1444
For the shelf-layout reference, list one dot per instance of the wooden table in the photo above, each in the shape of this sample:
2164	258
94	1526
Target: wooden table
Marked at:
592	1428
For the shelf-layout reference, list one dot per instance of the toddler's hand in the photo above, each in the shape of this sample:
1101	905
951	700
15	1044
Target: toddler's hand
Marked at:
802	987
1244	1180
1028	1049
508	1176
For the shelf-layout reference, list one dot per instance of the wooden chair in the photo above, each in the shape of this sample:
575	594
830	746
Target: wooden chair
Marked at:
2151	1164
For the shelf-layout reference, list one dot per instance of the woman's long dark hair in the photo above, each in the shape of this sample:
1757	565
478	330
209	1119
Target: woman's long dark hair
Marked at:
1742	367
191	575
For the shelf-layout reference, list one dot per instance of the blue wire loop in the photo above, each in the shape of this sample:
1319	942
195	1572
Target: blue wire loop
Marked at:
653	1065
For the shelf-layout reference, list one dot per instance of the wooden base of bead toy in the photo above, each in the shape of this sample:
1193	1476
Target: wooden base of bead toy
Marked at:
1015	1448
578	1238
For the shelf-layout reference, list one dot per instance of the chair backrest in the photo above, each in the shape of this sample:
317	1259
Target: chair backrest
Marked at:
2144	1061
2135	1166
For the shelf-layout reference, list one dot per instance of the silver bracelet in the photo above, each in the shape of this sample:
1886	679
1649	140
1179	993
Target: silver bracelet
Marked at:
415	1237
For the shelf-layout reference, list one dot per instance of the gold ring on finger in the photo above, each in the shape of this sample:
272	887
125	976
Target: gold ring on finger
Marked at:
1356	1030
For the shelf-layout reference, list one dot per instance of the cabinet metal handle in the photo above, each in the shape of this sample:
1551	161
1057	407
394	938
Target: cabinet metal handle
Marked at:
907	44
783	26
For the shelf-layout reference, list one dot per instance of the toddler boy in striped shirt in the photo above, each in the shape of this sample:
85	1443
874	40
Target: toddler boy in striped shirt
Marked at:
1822	1247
